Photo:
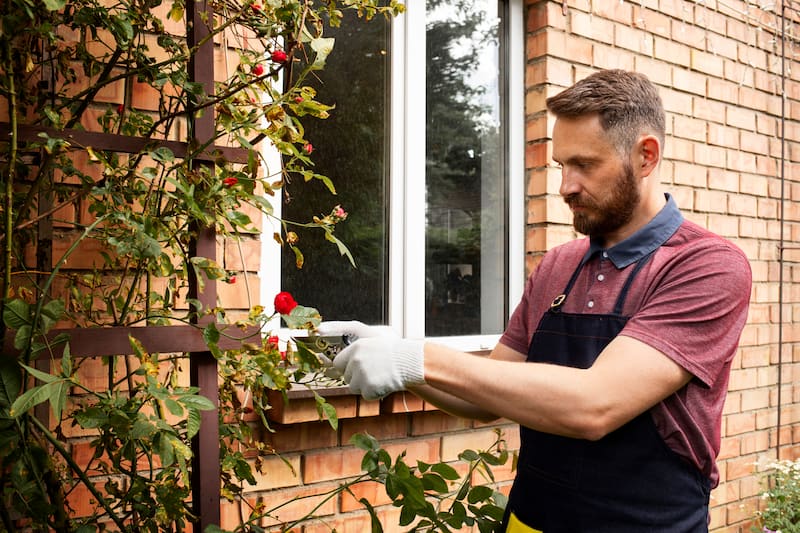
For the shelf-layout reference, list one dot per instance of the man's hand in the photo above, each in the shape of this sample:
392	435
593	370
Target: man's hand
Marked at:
378	362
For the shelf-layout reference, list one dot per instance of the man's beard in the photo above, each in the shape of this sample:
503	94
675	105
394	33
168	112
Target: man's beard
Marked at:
607	215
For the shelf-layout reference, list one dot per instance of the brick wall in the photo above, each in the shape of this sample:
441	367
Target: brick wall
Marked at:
315	458
719	72
718	66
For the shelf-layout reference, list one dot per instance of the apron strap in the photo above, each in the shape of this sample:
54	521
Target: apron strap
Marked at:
623	294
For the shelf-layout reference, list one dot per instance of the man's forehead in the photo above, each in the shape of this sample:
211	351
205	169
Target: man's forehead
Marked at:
579	135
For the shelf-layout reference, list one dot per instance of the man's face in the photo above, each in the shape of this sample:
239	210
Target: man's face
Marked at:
599	186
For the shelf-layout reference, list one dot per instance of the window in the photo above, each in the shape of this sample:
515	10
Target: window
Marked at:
425	149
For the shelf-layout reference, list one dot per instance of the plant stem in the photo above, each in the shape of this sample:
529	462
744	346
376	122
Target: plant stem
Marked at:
76	469
8	248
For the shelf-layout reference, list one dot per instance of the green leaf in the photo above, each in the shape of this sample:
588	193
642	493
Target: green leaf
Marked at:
302	317
91	418
264	205
434	482
343	250
176	14
66	362
122	29
33	397
211	334
165	450
16	314
22	337
376	526
173	407
407	515
479	493
162	155
322	46
40	375
10	381
58	399
142	429
54	5
238	218
469	455
195	401
327	411
192	423
446	471
52	312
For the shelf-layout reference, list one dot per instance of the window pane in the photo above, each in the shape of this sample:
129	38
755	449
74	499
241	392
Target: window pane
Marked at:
350	148
465	184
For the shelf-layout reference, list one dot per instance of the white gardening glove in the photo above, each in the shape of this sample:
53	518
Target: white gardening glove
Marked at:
353	329
379	362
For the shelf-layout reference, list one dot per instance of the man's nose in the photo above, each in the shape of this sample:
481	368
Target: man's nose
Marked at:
569	185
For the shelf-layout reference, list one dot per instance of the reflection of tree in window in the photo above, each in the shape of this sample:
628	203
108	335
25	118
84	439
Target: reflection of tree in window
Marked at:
351	150
464	182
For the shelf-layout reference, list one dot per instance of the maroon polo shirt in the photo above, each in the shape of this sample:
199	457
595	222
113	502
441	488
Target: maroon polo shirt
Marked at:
689	302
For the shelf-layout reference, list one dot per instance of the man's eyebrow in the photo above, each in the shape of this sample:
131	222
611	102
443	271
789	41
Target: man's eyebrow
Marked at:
576	159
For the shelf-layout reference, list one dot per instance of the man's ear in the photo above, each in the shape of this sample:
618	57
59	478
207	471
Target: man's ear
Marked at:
648	155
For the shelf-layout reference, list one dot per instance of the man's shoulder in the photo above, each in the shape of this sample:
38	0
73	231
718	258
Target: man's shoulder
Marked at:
693	236
694	246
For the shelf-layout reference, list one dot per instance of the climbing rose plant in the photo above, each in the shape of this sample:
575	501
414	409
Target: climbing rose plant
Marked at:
138	205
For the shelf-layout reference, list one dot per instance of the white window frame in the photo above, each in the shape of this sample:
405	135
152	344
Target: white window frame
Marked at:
406	313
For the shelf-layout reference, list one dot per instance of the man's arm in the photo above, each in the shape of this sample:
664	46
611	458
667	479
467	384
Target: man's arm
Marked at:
628	378
464	407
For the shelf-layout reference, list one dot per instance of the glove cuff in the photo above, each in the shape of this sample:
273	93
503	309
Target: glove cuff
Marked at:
411	361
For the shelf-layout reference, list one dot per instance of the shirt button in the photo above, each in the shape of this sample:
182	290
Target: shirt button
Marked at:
605	255
600	277
590	303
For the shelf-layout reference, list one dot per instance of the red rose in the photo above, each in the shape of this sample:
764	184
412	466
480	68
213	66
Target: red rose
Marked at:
279	56
258	70
230	181
273	340
298	99
308	148
284	303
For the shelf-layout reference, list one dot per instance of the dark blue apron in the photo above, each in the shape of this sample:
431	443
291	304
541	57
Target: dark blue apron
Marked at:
627	482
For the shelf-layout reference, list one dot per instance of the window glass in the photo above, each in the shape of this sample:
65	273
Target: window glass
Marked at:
465	235
450	252
350	148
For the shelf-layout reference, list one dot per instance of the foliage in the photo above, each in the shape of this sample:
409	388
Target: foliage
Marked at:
142	200
431	498
781	500
436	497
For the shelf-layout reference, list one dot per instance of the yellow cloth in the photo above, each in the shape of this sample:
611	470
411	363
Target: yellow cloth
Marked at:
516	526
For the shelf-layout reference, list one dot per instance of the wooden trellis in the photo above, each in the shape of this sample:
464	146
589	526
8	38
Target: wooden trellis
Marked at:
114	341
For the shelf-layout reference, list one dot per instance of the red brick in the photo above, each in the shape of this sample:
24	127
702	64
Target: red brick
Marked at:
337	463
402	402
436	422
390	426
293	504
374	492
305	409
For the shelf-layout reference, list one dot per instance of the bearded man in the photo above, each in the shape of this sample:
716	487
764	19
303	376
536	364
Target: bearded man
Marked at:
616	361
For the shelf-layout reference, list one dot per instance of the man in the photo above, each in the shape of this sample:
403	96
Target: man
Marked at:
616	361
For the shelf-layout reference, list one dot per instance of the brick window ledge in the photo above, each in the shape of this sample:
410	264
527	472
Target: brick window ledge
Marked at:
300	405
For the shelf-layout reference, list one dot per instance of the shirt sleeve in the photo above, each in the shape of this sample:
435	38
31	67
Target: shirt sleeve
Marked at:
517	335
697	309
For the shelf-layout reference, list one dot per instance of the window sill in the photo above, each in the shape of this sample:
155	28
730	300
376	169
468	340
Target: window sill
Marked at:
300	405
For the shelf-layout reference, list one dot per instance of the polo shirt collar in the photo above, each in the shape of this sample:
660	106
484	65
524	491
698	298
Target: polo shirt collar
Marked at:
645	240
